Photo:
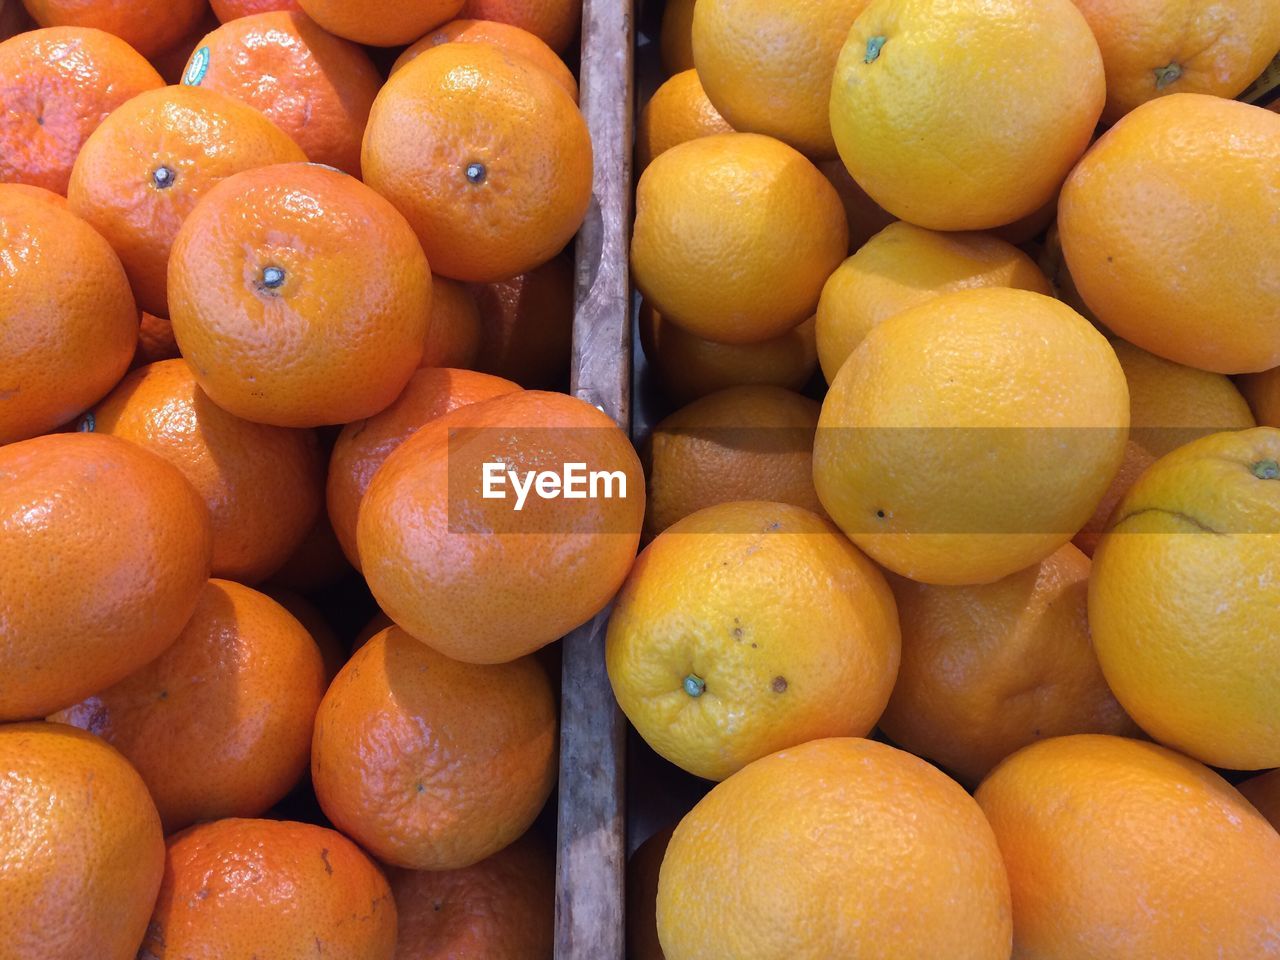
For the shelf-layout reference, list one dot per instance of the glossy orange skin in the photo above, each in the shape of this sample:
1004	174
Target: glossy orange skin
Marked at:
199	135
149	26
1264	793
68	324
104	551
57	85
262	484
532	576
333	652
555	21
453	333
343	331
675	40
526	326
219	725
513	39
380	24
677	112
155	341
83	851
363	446
172	63
34	193
502	908
642	897
478	104
226	883
1262	390
314	86
429	763
226	10
866	217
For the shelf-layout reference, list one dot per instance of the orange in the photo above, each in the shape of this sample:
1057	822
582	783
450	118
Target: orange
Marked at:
1169	405
512	39
1034	225
508	178
262	484
380	24
224	883
333	652
231	9
555	21
903	266
1264	793
213	725
474	577
30	192
971	436
642	897
938	114
749	627
142	171
838	848
1153	48
526	326
502	907
675	38
430	763
1184	601
314	86
83	852
317	563
377	623
768	67
743	443
155	341
453	332
149	26
363	446
300	297
58	85
1118	849
1262	390
677	112
1174	260
988	669
68	324
172	63
734	236
865	217
690	367
104	551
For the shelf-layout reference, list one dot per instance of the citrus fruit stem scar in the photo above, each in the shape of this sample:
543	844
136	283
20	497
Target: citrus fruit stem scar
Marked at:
1167	74
873	48
272	277
694	685
163	177
476	172
1266	470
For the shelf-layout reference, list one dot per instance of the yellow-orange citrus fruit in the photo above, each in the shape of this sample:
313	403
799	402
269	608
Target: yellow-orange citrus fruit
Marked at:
226	10
314	86
838	848
510	38
865	217
104	551
453	332
1172	259
768	67
971	436
555	21
964	114
83	851
172	63
30	192
675	37
149	26
1262	390
689	367
526	326
743	443
1185	599
155	341
1154	48
68	324
262	484
380	24
430	763
678	111
749	627
502	907
219	724
642	897
734	236
1118	849
1264	793
300	297
224	883
58	84
535	573
988	669
145	167
903	266
508	178
363	446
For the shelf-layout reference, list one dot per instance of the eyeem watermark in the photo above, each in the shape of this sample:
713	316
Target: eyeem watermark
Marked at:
572	482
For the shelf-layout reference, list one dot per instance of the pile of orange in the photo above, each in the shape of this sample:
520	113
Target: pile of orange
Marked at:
942	562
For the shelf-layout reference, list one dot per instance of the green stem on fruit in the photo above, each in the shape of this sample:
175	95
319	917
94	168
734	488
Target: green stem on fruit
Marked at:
1267	470
694	685
874	45
1167	74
